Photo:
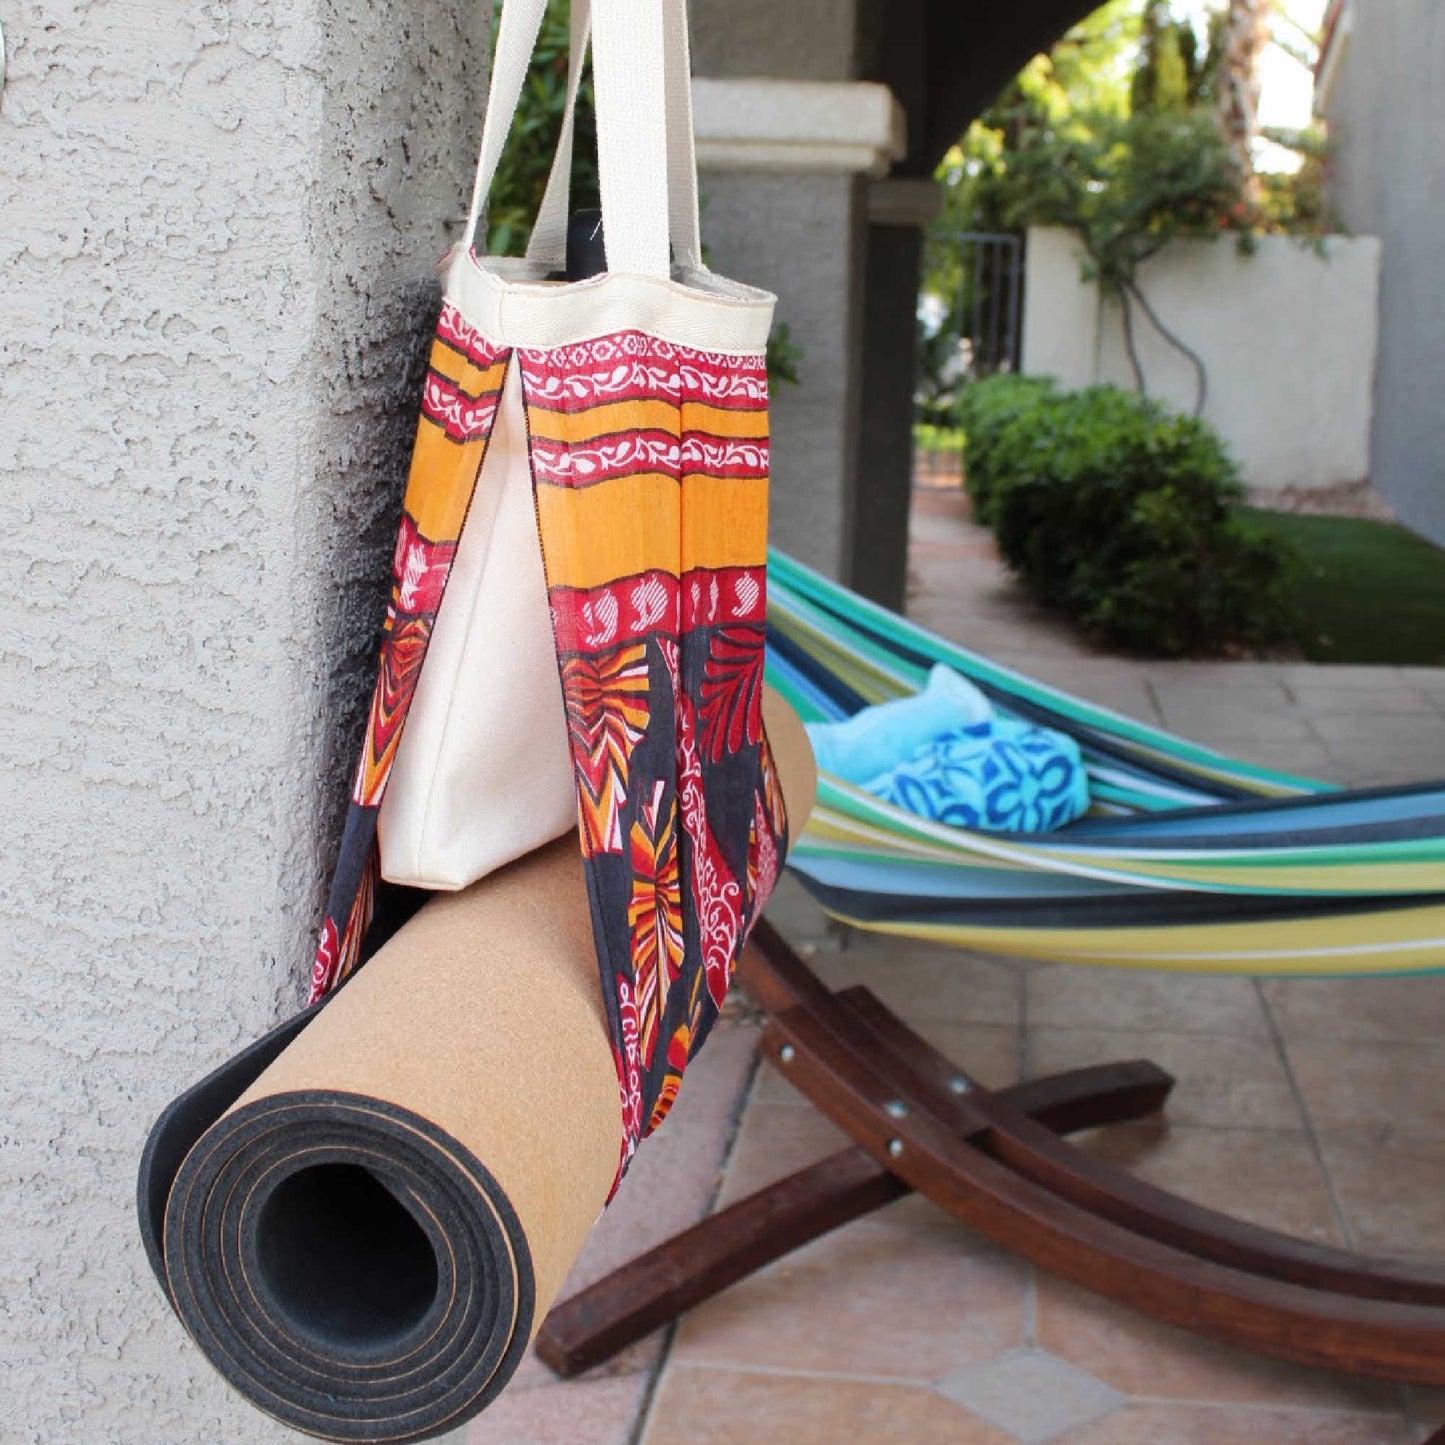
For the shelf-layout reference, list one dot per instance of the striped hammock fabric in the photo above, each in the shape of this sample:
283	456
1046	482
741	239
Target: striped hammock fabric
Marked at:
1189	859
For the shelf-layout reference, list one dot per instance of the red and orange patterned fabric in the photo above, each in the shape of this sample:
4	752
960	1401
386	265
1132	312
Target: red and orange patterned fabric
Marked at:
650	474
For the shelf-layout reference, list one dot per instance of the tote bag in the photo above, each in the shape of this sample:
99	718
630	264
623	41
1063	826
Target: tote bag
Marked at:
575	634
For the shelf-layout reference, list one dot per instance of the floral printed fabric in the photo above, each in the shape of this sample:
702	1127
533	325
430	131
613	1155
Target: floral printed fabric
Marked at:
650	475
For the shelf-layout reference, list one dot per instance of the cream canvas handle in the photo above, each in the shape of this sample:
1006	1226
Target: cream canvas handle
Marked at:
646	158
516	40
683	221
629	57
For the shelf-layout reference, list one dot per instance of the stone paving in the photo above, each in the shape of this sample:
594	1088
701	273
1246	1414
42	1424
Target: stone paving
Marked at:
1312	1106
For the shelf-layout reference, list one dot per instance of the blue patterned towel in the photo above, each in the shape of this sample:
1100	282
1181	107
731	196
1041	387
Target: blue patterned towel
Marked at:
1002	775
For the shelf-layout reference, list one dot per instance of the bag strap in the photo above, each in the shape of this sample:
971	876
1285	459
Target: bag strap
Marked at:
646	158
516	39
548	244
628	68
682	203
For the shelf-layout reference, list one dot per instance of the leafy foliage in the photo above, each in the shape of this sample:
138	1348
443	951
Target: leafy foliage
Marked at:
995	415
1126	186
1114	134
785	356
1120	515
527	160
1178	68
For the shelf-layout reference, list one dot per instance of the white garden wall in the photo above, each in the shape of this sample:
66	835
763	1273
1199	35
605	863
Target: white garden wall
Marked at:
218	228
1288	338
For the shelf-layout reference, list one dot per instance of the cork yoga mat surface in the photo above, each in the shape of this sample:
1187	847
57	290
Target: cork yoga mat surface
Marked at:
363	1217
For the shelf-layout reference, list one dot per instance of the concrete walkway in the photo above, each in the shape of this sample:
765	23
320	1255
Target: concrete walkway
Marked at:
1316	1107
1356	725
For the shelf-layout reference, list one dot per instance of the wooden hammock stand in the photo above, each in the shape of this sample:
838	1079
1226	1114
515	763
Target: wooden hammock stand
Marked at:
997	1162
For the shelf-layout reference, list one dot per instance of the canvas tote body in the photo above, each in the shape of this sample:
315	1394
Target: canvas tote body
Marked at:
575	634
482	773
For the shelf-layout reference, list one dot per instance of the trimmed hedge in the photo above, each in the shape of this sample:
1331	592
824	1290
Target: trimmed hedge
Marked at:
1120	514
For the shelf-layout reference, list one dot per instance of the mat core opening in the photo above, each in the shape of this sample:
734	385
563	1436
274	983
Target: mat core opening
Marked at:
344	1261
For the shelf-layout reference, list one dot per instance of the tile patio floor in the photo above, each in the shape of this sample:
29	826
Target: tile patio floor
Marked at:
1316	1107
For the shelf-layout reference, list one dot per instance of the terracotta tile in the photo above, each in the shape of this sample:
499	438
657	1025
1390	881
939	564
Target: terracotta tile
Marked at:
1386	1009
1299	759
866	1300
1383	768
1354	774
774	1140
675	1173
1187	691
669	1186
1118	689
1140	1356
926	984
1427	1405
581	1412
1070	996
1265	1177
1232	719
1324	699
1047	667
729	1407
635	1362
1152	1424
793	911
1359	675
1217	674
1393	1192
1408	749
1420	734
1080	672
989	1052
1032	1394
1376	1090
770	1086
1222	1082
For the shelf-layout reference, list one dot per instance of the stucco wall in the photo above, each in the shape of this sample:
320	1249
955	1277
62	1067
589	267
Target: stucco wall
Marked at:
220	223
796	227
1386	114
1287	337
805	39
757	227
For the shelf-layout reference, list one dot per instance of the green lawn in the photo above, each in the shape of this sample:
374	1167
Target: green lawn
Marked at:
930	438
1366	591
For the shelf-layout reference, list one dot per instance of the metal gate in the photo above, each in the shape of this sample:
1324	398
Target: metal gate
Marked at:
969	326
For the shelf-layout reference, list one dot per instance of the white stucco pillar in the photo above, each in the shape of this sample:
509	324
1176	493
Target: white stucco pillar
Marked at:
785	169
219	229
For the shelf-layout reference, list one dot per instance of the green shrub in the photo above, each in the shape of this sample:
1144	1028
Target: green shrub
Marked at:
1120	514
989	413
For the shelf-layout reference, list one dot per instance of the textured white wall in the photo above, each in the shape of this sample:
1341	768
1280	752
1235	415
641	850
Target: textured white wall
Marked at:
217	230
1386	113
1288	339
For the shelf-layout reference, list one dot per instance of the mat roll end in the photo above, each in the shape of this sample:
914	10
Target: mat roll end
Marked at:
349	1267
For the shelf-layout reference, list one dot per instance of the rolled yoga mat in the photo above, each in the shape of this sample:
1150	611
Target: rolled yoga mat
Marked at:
363	1218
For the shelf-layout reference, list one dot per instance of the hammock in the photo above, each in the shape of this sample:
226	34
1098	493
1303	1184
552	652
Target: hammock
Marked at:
1189	859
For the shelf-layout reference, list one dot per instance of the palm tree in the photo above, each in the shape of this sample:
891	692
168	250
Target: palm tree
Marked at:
1246	33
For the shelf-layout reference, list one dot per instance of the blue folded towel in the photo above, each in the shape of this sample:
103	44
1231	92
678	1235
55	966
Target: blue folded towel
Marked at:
876	738
944	755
